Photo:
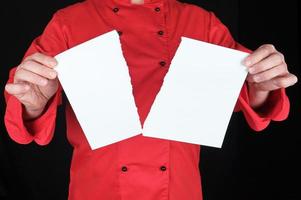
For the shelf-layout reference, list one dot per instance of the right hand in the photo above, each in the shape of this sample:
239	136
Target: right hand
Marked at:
35	82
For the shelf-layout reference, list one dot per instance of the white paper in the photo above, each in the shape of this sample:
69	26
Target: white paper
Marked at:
194	104
198	95
95	78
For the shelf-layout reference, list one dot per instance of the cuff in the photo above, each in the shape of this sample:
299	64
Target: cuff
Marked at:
276	108
40	129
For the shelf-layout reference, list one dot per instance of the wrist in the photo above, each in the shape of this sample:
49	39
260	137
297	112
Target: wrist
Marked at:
32	113
257	98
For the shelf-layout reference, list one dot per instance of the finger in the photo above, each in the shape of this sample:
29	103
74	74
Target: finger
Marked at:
38	69
286	81
259	54
43	59
276	83
16	88
269	74
267	63
24	75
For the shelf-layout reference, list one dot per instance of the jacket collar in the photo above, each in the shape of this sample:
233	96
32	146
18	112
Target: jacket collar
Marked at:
128	2
145	1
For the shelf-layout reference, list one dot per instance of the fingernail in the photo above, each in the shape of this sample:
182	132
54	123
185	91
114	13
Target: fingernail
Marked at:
26	87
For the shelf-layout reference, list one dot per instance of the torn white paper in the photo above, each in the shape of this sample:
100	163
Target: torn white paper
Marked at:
95	78
194	104
198	95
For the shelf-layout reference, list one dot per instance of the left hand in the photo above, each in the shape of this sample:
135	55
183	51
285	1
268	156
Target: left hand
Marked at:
267	72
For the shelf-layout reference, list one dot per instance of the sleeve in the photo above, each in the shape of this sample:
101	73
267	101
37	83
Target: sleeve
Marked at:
41	129
277	106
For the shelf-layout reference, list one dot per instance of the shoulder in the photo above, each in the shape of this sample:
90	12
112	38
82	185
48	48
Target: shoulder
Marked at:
195	10
80	22
195	20
73	12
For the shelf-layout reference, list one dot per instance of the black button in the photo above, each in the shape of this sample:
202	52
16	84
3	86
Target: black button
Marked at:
115	10
160	32
157	9
119	32
162	63
124	169
163	168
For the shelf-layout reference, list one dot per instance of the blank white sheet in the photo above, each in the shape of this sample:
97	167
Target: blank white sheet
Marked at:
95	78
198	95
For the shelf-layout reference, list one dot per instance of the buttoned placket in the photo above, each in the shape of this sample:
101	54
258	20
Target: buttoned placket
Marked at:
162	33
159	12
125	168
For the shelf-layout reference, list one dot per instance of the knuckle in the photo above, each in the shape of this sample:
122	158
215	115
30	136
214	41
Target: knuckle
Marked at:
19	72
284	67
32	57
268	48
271	46
17	77
18	67
26	64
37	54
258	68
38	57
7	88
42	58
28	57
45	60
281	69
264	77
279	56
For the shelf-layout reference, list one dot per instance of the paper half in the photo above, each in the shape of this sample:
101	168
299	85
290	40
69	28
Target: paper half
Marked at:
95	78
198	95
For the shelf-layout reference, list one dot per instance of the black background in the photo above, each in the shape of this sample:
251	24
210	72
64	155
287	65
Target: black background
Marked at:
249	166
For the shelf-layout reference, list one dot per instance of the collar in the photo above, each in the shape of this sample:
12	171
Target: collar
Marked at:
105	7
145	1
128	2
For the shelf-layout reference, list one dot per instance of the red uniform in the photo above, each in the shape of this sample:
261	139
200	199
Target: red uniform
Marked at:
139	167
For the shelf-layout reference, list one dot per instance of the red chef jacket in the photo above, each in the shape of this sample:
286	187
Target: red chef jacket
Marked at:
140	167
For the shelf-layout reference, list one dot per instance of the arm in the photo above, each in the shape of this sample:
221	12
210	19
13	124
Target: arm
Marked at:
265	99
29	115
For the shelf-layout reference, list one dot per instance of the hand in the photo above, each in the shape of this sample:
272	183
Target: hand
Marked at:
35	82
267	72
